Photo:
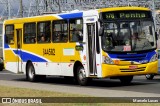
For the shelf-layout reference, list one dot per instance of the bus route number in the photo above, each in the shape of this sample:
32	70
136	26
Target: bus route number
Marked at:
50	51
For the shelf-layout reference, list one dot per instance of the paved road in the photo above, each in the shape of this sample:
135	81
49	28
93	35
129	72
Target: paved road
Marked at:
140	87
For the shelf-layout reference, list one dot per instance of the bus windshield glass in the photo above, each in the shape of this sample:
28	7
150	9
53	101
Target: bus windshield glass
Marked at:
128	36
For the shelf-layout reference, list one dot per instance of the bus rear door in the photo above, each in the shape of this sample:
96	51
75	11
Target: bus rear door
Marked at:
12	47
18	49
93	47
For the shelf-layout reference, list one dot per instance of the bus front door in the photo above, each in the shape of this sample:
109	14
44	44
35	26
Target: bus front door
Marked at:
19	45
92	48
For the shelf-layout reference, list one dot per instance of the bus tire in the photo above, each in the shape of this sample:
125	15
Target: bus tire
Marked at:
1	65
81	76
149	76
1	68
126	80
30	73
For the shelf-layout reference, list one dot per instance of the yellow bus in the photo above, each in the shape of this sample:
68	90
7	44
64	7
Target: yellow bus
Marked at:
88	44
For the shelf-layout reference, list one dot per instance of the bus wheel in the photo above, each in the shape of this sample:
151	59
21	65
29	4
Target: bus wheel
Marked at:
30	74
81	76
1	68
126	80
1	65
149	76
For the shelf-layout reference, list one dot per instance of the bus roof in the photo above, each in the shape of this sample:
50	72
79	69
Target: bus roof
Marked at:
122	8
48	17
69	15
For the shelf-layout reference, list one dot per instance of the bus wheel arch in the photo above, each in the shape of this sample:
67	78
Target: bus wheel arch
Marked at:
80	74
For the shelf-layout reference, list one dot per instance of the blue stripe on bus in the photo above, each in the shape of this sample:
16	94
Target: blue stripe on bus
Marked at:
72	15
133	57
27	56
6	46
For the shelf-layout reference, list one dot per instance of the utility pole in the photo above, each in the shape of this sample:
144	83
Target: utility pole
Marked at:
46	5
9	9
21	8
37	4
59	5
154	13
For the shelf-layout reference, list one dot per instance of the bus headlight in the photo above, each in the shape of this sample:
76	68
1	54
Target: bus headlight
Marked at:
107	60
153	58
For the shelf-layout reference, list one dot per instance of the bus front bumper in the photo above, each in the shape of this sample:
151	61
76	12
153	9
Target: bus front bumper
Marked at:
125	70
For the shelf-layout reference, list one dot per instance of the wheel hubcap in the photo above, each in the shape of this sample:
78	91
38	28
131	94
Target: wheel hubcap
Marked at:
31	72
148	75
82	75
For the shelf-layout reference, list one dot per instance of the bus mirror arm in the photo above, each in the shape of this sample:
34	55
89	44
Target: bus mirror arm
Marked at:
101	31
156	35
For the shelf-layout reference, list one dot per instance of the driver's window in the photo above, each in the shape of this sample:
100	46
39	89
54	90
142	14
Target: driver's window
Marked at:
124	34
147	31
111	29
135	27
111	26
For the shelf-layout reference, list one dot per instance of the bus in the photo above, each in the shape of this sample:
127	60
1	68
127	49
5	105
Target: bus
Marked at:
82	44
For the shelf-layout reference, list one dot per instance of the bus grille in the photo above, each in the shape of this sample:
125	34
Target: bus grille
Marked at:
132	57
133	70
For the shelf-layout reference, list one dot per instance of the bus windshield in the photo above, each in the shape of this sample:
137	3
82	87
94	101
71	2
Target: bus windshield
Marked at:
124	36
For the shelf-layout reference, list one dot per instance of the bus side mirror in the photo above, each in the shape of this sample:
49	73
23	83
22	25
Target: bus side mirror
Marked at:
156	35
101	31
150	30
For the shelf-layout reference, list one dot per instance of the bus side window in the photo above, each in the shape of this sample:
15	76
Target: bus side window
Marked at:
44	32
60	31
64	37
6	39
76	30
29	33
57	37
9	30
11	41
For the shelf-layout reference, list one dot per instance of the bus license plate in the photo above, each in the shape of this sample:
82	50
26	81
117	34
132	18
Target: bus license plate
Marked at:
133	67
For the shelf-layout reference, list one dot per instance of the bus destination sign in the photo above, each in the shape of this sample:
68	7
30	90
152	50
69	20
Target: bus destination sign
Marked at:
126	15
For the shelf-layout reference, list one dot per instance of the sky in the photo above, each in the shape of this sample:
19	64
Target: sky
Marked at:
14	6
26	3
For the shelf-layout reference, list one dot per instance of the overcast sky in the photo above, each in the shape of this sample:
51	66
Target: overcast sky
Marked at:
15	5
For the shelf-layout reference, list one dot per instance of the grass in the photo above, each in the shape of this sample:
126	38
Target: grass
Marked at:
25	92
